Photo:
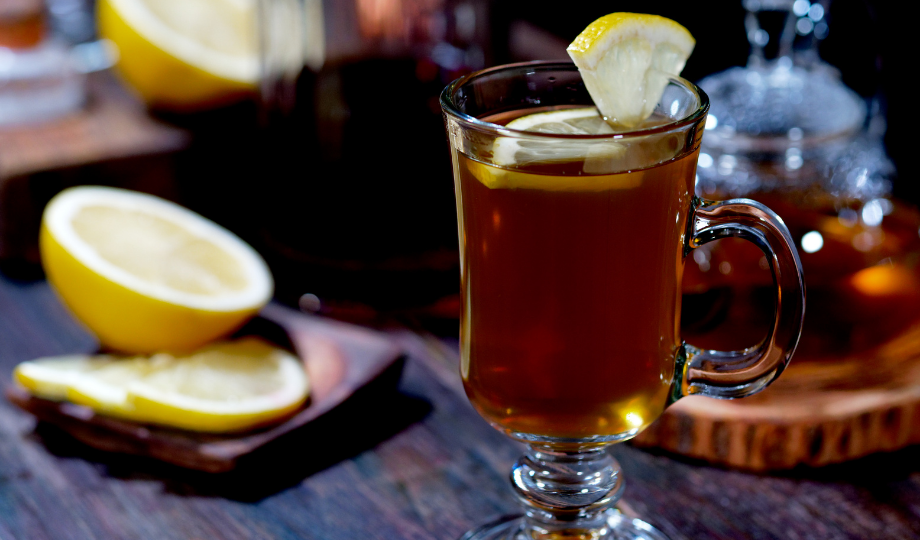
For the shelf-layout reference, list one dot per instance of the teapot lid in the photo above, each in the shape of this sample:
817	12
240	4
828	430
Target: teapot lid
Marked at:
770	108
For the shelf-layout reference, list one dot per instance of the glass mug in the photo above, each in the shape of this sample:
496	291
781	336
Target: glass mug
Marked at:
572	250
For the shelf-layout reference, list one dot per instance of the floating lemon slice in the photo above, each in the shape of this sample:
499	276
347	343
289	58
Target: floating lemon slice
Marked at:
184	53
581	121
223	387
595	157
625	59
146	275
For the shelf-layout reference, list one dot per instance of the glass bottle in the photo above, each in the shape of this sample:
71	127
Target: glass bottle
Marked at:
332	226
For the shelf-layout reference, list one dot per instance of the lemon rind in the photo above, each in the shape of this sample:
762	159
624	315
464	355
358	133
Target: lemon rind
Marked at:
590	46
242	69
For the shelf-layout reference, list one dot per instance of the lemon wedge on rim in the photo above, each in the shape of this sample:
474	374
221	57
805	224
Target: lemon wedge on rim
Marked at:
625	59
146	275
184	54
224	387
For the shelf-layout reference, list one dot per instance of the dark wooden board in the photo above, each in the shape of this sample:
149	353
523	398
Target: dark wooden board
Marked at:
339	358
416	464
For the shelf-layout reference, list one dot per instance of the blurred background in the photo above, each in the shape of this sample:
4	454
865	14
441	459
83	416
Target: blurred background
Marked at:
312	127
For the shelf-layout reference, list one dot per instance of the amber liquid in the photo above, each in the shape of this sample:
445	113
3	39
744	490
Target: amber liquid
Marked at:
571	296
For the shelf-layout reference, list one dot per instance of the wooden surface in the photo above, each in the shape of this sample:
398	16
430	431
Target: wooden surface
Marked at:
113	125
341	361
815	414
418	465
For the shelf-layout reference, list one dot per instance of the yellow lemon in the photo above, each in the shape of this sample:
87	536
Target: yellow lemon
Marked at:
604	164
223	387
507	151
184	54
146	275
625	59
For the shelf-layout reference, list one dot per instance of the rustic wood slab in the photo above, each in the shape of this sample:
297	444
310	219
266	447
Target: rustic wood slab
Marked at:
815	414
339	358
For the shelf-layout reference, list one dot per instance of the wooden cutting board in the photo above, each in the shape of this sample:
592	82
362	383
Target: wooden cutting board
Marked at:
815	414
340	359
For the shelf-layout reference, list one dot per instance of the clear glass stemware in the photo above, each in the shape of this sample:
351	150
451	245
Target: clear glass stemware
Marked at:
571	273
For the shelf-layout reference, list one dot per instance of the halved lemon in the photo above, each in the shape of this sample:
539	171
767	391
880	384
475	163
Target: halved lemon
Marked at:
146	275
625	59
184	54
226	386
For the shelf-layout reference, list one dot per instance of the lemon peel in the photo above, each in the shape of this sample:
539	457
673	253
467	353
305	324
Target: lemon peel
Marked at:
184	54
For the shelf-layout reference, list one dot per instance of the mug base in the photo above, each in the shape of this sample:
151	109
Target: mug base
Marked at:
619	527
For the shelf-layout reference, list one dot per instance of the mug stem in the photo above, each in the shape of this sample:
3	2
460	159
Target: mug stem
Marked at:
566	491
567	496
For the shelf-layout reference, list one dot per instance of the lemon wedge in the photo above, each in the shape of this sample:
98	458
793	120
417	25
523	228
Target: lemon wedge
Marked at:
146	275
625	59
184	54
224	387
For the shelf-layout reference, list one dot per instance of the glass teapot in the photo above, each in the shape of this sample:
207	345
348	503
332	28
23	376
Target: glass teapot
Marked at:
785	131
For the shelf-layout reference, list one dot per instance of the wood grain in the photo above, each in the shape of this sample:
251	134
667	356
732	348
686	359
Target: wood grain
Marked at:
339	359
815	414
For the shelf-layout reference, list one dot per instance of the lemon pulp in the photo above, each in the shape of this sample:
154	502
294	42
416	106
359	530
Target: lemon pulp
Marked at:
625	60
225	386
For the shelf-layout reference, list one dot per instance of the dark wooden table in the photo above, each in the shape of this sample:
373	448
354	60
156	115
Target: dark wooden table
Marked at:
415	464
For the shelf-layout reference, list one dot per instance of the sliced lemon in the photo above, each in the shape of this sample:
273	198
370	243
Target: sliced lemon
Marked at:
146	275
497	178
578	121
223	387
184	53
581	121
595	157
50	377
625	59
103	386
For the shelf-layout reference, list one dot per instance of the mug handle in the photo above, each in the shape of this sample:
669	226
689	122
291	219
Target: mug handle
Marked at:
736	374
